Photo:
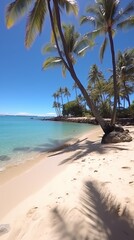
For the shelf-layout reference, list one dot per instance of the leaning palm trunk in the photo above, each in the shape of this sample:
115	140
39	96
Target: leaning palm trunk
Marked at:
67	61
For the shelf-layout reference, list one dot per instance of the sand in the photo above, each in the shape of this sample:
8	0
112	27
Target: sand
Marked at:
84	191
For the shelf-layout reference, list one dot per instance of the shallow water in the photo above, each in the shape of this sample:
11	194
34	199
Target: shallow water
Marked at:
24	138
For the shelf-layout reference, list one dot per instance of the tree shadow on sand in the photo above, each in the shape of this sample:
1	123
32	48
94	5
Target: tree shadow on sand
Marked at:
83	147
99	217
53	145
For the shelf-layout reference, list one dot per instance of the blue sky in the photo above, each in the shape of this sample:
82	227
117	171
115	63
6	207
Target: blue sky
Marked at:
24	86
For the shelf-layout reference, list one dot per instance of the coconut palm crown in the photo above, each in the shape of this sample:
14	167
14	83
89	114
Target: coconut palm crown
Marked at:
106	17
37	11
75	44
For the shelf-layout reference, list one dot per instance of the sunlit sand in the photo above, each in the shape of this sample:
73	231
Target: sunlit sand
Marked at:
84	190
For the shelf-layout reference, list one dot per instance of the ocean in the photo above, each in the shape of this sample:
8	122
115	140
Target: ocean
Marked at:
23	138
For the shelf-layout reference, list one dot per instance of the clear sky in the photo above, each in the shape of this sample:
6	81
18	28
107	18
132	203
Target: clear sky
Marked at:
24	86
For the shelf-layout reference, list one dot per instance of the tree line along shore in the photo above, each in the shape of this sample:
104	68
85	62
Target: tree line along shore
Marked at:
90	120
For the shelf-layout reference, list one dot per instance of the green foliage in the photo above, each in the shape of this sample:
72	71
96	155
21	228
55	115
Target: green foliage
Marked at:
105	16
73	108
51	62
123	112
131	109
76	46
102	48
105	109
15	11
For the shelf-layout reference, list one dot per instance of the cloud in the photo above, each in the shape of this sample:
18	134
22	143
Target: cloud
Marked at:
50	114
30	114
24	114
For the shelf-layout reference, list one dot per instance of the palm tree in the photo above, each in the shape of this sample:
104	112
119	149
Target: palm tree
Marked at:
75	87
56	96
97	82
61	92
125	76
106	15
125	73
67	93
38	10
55	106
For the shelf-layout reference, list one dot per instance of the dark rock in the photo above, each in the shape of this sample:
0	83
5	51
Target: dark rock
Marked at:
116	137
118	128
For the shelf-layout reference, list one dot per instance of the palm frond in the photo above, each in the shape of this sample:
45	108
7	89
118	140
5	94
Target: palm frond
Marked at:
95	33
103	47
130	52
64	70
113	32
52	62
126	11
49	48
71	36
111	9
129	22
69	5
130	71
82	45
55	27
89	19
35	21
92	9
16	10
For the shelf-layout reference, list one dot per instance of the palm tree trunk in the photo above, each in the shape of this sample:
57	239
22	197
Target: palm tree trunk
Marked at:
113	119
104	125
62	100
55	36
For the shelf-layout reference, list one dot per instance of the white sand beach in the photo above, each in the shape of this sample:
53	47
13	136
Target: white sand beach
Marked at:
84	191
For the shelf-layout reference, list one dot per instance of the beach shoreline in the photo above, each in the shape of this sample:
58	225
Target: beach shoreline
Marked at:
106	167
15	169
16	176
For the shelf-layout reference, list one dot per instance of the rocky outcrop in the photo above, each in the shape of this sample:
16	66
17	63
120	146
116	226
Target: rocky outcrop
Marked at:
116	137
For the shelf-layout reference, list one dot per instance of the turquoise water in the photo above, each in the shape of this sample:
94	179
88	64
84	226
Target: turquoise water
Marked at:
23	138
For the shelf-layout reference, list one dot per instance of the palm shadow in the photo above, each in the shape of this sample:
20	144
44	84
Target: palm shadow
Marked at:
83	147
105	215
98	217
52	146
